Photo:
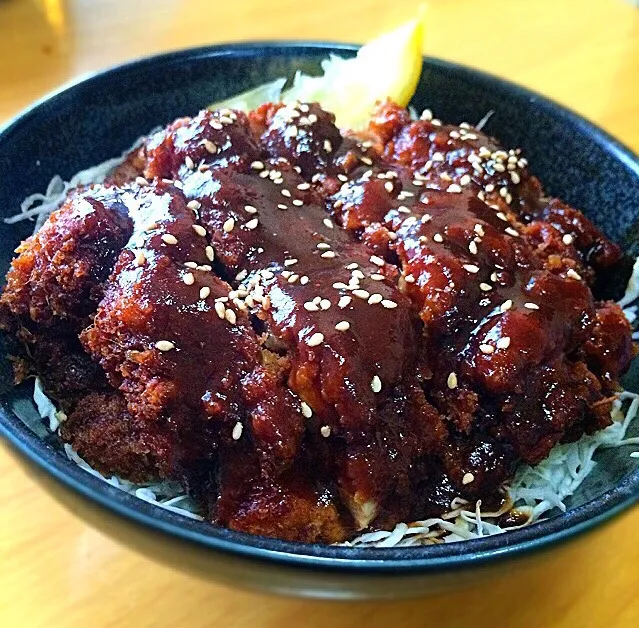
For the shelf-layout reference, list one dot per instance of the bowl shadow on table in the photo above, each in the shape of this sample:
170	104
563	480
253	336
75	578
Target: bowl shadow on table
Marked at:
487	588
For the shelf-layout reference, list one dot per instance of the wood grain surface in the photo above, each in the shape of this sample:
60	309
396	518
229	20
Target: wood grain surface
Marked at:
55	571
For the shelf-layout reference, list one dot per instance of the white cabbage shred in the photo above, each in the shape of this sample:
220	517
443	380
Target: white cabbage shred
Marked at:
534	492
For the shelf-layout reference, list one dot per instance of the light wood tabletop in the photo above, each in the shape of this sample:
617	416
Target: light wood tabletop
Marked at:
56	571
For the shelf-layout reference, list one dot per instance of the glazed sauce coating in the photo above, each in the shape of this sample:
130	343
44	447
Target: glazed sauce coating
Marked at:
321	333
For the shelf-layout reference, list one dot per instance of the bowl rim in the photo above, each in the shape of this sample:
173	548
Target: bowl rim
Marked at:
348	560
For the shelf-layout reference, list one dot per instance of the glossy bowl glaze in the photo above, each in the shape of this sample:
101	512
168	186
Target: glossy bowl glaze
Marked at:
99	117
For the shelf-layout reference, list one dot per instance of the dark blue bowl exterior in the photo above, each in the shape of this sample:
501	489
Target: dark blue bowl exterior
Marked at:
98	118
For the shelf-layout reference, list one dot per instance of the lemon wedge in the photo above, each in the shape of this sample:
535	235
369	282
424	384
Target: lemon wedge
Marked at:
388	67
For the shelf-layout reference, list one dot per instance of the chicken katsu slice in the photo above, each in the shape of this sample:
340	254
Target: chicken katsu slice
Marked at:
58	271
179	352
448	157
101	430
54	285
321	297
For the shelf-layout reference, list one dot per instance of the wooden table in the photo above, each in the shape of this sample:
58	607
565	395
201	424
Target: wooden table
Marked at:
54	570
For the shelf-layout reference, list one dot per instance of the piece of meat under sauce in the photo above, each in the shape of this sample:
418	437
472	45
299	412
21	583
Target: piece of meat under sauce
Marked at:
321	297
181	354
318	333
54	285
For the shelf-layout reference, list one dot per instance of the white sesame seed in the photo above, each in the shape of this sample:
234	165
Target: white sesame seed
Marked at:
375	298
286	193
388	304
293	278
485	287
343	326
189	163
438	238
168	238
511	231
210	253
514	177
282	206
140	258
290	262
454	188
376	384
409	279
194	205
230	316
573	274
252	224
323	245
190	264
472	247
220	309
307	411
325	304
297	202
531	306
210	146
343	302
388	186
328	254
164	345
487	349
568	239
243	273
340	285
303	280
229	225
494	277
378	261
325	431
264	174
303	186
471	268
506	305
451	382
141	181
352	266
328	223
465	180
377	277
200	230
249	209
468	478
502	216
361	294
358	273
503	343
188	279
316	339
328	147
257	165
309	306
237	431
479	230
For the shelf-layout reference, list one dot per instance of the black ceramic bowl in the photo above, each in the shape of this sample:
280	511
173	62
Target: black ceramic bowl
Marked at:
102	115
